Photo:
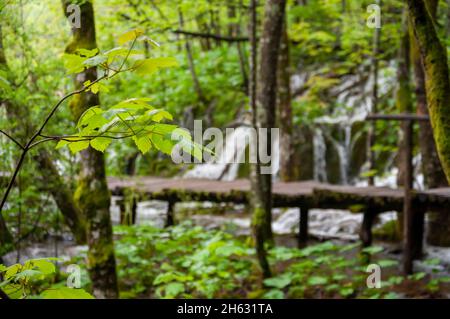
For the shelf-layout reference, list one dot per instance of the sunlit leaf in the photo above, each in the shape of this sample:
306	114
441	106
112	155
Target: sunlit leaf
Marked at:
66	293
130	35
100	143
78	146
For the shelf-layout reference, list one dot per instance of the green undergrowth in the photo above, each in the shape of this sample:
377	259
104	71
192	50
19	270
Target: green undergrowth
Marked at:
187	261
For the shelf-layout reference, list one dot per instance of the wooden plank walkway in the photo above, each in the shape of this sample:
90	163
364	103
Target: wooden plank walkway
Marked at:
305	195
293	194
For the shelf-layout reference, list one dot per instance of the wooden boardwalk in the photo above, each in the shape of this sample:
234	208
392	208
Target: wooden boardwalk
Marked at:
293	194
305	195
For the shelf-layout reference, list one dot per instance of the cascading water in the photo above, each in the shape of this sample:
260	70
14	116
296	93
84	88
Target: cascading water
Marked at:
226	165
320	162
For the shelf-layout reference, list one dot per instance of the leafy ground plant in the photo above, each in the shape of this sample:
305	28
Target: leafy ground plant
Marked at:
33	280
187	261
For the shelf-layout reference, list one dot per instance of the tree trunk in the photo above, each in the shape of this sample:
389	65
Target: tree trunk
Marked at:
255	177
264	117
372	129
403	96
438	224
403	101
92	195
434	57
285	110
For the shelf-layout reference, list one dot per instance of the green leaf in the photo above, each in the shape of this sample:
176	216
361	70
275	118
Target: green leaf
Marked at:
149	66
95	60
100	143
391	295
157	115
274	294
12	270
417	276
87	53
45	266
279	282
317	280
13	291
387	263
61	144
130	35
90	112
27	274
174	289
76	147
432	262
121	52
162	144
395	280
373	250
73	63
143	143
4	84
66	293
346	291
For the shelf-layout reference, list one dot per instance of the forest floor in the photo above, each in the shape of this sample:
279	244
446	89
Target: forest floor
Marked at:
231	225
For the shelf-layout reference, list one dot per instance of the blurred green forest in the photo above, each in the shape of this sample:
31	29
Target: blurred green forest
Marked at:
180	60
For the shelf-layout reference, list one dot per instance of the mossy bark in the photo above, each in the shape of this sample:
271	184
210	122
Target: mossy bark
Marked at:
92	194
438	223
434	57
284	110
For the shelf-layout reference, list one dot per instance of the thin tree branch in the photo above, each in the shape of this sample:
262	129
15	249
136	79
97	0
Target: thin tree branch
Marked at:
211	36
12	139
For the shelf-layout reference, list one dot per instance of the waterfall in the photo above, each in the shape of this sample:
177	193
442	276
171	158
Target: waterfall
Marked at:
233	154
320	162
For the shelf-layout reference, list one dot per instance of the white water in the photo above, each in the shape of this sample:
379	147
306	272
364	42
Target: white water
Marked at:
226	165
320	161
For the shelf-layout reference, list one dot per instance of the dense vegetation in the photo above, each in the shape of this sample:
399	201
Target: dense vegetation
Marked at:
98	89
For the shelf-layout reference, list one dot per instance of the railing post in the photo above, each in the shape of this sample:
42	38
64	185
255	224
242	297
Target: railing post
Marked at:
170	219
303	226
365	233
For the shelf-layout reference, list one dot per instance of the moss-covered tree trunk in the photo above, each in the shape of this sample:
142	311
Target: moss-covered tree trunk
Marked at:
264	117
438	224
434	58
92	195
284	110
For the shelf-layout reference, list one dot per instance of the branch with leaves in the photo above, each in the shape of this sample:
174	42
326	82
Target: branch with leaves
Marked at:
133	118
